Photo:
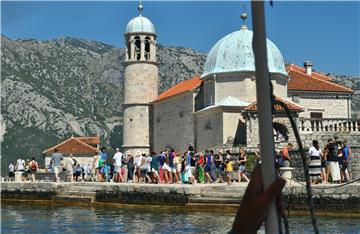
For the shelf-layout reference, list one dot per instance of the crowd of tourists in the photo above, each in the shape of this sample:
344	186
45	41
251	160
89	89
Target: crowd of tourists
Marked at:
27	168
170	167
331	163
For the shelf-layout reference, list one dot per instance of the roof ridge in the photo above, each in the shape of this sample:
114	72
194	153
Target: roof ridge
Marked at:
71	138
326	81
54	147
84	143
180	88
295	67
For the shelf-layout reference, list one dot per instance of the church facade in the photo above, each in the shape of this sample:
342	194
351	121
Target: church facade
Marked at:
219	106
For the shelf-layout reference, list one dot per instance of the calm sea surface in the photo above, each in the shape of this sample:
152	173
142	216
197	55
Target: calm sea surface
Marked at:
68	219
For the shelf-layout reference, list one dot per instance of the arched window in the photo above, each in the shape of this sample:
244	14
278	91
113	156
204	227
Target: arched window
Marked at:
137	48
128	48
281	132
147	48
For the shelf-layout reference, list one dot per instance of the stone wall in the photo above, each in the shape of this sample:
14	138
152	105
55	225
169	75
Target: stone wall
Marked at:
330	105
252	129
352	138
140	88
174	122
234	127
208	128
328	198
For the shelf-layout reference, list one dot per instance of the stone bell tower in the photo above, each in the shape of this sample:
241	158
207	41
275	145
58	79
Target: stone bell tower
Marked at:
140	83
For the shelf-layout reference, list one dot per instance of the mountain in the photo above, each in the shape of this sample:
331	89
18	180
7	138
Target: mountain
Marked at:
57	88
354	83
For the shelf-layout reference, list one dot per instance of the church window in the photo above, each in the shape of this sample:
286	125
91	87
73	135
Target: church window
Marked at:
137	48
208	125
147	48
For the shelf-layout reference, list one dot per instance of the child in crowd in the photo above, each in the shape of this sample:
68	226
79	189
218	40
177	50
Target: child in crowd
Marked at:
229	171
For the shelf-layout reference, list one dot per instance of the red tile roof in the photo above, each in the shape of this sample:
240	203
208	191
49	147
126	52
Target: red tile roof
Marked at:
76	145
90	140
292	106
181	87
299	80
313	73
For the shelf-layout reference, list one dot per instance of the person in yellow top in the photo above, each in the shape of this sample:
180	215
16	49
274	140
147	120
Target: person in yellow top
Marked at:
229	171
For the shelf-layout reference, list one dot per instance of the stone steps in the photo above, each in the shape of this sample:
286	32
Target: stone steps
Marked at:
222	195
214	200
73	196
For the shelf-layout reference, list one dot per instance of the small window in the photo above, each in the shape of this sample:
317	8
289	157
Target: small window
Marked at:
316	115
131	120
296	98
181	114
158	119
208	125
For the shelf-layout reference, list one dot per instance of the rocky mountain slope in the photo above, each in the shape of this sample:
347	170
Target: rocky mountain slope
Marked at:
53	89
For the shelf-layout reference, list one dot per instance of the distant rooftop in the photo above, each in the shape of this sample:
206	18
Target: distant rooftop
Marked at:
300	80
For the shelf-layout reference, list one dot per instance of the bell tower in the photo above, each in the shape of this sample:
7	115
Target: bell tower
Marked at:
140	83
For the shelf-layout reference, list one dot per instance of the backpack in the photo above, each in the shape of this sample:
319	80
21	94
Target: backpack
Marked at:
33	166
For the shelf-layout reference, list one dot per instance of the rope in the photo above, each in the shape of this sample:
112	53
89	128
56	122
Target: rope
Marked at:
335	186
303	157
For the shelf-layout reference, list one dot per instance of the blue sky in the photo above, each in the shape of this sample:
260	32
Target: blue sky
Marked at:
327	33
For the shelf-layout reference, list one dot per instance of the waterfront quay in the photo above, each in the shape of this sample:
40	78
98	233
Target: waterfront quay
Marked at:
330	198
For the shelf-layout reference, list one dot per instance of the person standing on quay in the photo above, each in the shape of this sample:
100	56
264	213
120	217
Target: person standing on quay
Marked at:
242	161
56	159
229	170
315	155
11	172
33	168
201	162
207	166
333	158
117	161
20	167
347	154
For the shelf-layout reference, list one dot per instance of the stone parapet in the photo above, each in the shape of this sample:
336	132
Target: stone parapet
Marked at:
329	198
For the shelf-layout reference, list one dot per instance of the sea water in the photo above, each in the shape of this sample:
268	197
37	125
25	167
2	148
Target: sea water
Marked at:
25	218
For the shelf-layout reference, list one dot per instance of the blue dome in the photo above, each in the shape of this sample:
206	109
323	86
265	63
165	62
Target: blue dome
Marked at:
140	24
234	53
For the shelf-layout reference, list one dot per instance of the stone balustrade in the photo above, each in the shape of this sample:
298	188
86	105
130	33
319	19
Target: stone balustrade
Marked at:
310	125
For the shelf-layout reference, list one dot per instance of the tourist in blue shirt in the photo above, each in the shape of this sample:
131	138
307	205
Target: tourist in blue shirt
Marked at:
161	159
347	157
103	154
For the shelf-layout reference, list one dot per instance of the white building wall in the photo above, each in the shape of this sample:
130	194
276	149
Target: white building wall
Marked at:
234	126
174	122
331	106
209	129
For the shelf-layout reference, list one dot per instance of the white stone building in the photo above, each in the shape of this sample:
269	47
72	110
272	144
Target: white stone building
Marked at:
219	106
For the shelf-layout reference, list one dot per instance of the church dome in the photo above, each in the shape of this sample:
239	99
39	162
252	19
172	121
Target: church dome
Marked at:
234	53
140	24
